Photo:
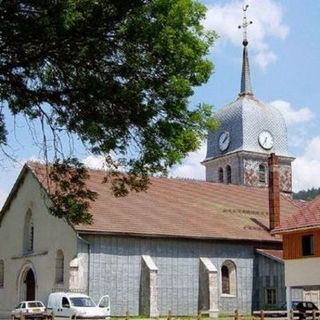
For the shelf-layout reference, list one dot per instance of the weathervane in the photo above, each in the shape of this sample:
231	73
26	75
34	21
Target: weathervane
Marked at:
245	24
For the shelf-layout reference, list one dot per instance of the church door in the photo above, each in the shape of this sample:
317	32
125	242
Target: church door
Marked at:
30	286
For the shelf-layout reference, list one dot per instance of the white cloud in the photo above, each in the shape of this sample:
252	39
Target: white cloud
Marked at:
293	116
95	162
264	58
267	17
306	167
191	167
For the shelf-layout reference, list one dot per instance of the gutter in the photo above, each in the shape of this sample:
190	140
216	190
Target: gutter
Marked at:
293	229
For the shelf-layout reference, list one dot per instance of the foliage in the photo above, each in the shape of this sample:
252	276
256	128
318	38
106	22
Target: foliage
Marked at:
307	195
118	74
68	191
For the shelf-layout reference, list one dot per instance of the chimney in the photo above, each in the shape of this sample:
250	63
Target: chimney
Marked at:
274	191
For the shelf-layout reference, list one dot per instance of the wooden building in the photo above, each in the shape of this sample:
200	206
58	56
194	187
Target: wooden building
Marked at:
301	250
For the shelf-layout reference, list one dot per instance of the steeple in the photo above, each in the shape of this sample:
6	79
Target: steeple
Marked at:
245	88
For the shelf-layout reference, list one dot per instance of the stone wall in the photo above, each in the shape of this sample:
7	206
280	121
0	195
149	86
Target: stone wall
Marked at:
212	169
245	170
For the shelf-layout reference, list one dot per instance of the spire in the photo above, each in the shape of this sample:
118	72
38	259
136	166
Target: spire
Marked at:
245	88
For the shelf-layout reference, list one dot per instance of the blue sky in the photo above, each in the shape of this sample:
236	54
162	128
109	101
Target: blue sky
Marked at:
284	49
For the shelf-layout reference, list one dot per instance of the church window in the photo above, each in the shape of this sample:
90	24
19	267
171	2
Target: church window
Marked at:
225	280
229	174
28	236
221	175
229	278
271	296
262	173
59	267
1	273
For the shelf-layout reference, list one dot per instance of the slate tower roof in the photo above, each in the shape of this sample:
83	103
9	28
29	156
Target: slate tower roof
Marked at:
246	117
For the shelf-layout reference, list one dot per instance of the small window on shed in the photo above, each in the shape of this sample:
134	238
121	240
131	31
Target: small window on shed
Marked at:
262	173
271	296
221	175
1	273
307	245
229	178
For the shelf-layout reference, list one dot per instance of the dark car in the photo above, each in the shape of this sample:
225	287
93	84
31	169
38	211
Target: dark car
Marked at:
299	307
293	305
303	307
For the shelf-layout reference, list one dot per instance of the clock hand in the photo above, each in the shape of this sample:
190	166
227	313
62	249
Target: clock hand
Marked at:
265	140
225	138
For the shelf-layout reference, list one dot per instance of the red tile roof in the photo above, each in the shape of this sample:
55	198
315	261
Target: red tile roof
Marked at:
307	216
179	208
273	254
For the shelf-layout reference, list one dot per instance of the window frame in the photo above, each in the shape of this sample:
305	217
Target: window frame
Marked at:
225	280
221	175
28	233
229	174
59	267
232	279
262	173
273	296
307	248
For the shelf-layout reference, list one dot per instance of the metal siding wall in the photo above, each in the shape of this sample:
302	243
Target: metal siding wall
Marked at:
271	275
115	268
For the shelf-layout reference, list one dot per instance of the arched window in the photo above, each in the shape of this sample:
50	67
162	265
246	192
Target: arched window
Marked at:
228	169
221	175
1	273
262	173
225	280
28	233
59	267
229	278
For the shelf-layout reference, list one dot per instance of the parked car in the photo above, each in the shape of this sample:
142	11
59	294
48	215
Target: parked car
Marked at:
30	309
301	307
293	305
69	305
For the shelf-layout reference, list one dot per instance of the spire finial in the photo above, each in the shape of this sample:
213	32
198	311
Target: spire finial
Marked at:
245	75
245	24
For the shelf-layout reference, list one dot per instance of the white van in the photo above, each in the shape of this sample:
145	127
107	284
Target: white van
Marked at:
69	305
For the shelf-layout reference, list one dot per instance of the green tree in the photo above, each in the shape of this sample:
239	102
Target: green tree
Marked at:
307	195
118	74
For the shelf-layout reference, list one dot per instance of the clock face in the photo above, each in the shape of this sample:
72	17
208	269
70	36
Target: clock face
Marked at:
265	140
224	140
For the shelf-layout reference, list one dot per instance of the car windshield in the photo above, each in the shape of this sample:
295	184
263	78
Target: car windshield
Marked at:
35	304
82	302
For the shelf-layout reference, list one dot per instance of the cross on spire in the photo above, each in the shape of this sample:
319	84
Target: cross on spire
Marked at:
245	24
245	88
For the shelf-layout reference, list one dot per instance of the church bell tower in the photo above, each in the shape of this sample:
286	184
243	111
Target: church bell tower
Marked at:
249	131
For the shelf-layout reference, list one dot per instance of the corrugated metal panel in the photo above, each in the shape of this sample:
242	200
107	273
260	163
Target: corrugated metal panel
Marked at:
115	269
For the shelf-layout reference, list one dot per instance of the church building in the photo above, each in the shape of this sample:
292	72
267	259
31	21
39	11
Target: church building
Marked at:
183	246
